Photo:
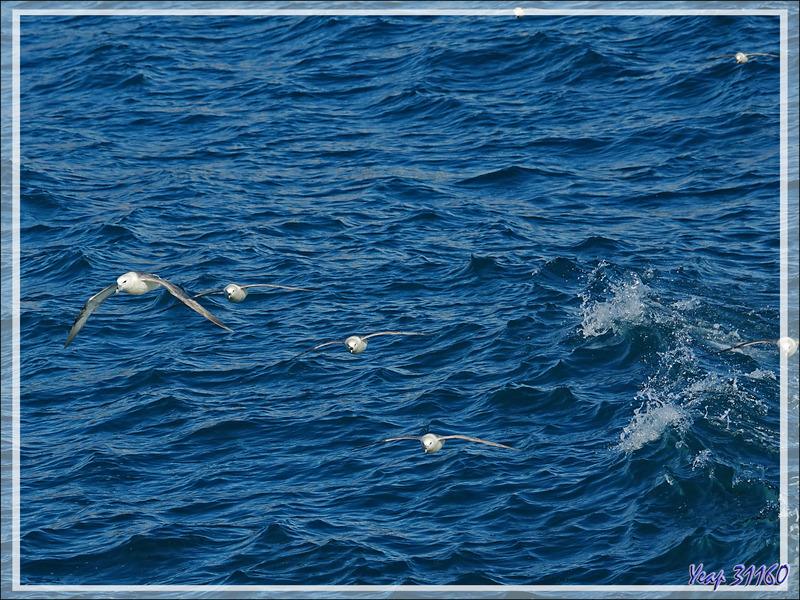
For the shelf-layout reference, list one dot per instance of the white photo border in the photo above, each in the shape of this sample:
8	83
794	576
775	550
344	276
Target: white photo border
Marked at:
11	288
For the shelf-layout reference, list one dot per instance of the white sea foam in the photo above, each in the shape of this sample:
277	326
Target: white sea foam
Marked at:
650	421
626	306
761	374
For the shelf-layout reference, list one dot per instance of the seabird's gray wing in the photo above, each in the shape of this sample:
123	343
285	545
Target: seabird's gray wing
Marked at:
746	344
283	287
365	337
391	439
723	56
318	346
207	293
472	439
762	54
181	295
88	309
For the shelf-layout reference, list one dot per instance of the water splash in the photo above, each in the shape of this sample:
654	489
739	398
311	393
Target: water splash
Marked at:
761	374
701	460
626	306
650	421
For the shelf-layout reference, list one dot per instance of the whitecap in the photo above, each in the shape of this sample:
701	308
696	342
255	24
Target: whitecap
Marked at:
649	423
626	306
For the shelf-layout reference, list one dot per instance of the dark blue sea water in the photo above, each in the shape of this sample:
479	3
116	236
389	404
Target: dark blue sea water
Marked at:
574	210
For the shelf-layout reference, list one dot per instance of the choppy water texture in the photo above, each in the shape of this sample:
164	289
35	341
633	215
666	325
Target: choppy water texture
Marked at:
574	210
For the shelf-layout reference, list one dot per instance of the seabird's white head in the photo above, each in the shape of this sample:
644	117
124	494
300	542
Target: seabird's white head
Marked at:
235	293
741	57
355	344
431	444
134	283
787	345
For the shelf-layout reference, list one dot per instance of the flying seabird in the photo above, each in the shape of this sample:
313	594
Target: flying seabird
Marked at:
741	57
136	283
432	443
787	345
237	293
357	344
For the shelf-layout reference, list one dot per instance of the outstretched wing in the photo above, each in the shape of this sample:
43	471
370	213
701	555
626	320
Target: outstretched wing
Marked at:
283	287
318	346
365	337
391	439
88	309
472	439
207	293
746	344
181	295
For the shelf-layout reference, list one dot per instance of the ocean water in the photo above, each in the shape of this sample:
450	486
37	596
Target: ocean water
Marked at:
574	211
